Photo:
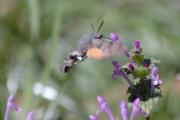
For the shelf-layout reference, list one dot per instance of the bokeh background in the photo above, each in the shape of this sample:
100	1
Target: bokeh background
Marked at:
36	35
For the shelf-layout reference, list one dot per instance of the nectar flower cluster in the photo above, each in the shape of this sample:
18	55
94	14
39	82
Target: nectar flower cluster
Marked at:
146	83
144	89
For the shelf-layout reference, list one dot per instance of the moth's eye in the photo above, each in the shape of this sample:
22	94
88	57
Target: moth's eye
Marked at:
99	36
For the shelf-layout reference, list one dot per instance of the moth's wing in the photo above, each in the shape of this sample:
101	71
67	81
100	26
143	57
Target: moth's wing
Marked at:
85	42
111	48
103	48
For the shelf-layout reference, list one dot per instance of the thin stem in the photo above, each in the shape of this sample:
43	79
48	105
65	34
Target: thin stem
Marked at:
34	18
127	79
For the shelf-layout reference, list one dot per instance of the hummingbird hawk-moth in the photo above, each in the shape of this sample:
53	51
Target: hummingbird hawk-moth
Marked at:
92	45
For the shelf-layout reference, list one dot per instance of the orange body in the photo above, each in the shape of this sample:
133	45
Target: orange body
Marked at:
95	53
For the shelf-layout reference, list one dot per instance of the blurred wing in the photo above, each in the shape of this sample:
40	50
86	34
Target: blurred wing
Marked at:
111	48
85	43
103	48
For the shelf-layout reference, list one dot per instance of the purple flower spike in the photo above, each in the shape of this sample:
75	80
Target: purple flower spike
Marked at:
93	117
137	110
124	110
11	106
118	72
29	116
155	78
155	82
154	72
137	44
114	36
116	64
154	75
104	107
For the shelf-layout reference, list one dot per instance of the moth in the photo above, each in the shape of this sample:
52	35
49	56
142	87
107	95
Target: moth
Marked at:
92	45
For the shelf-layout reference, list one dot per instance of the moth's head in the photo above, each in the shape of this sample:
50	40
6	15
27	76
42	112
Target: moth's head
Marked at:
92	35
95	35
98	36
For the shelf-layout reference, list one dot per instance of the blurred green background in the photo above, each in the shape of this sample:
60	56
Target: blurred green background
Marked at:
36	35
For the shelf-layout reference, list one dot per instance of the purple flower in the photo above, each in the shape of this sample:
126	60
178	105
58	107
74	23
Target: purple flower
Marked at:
104	107
137	110
11	106
29	116
137	44
93	117
131	66
114	36
118	72
154	72
124	110
155	78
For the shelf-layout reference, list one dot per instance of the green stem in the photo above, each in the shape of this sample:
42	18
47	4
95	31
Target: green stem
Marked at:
54	38
34	18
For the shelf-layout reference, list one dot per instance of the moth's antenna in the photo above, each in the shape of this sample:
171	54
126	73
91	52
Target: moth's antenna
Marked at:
92	27
100	26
